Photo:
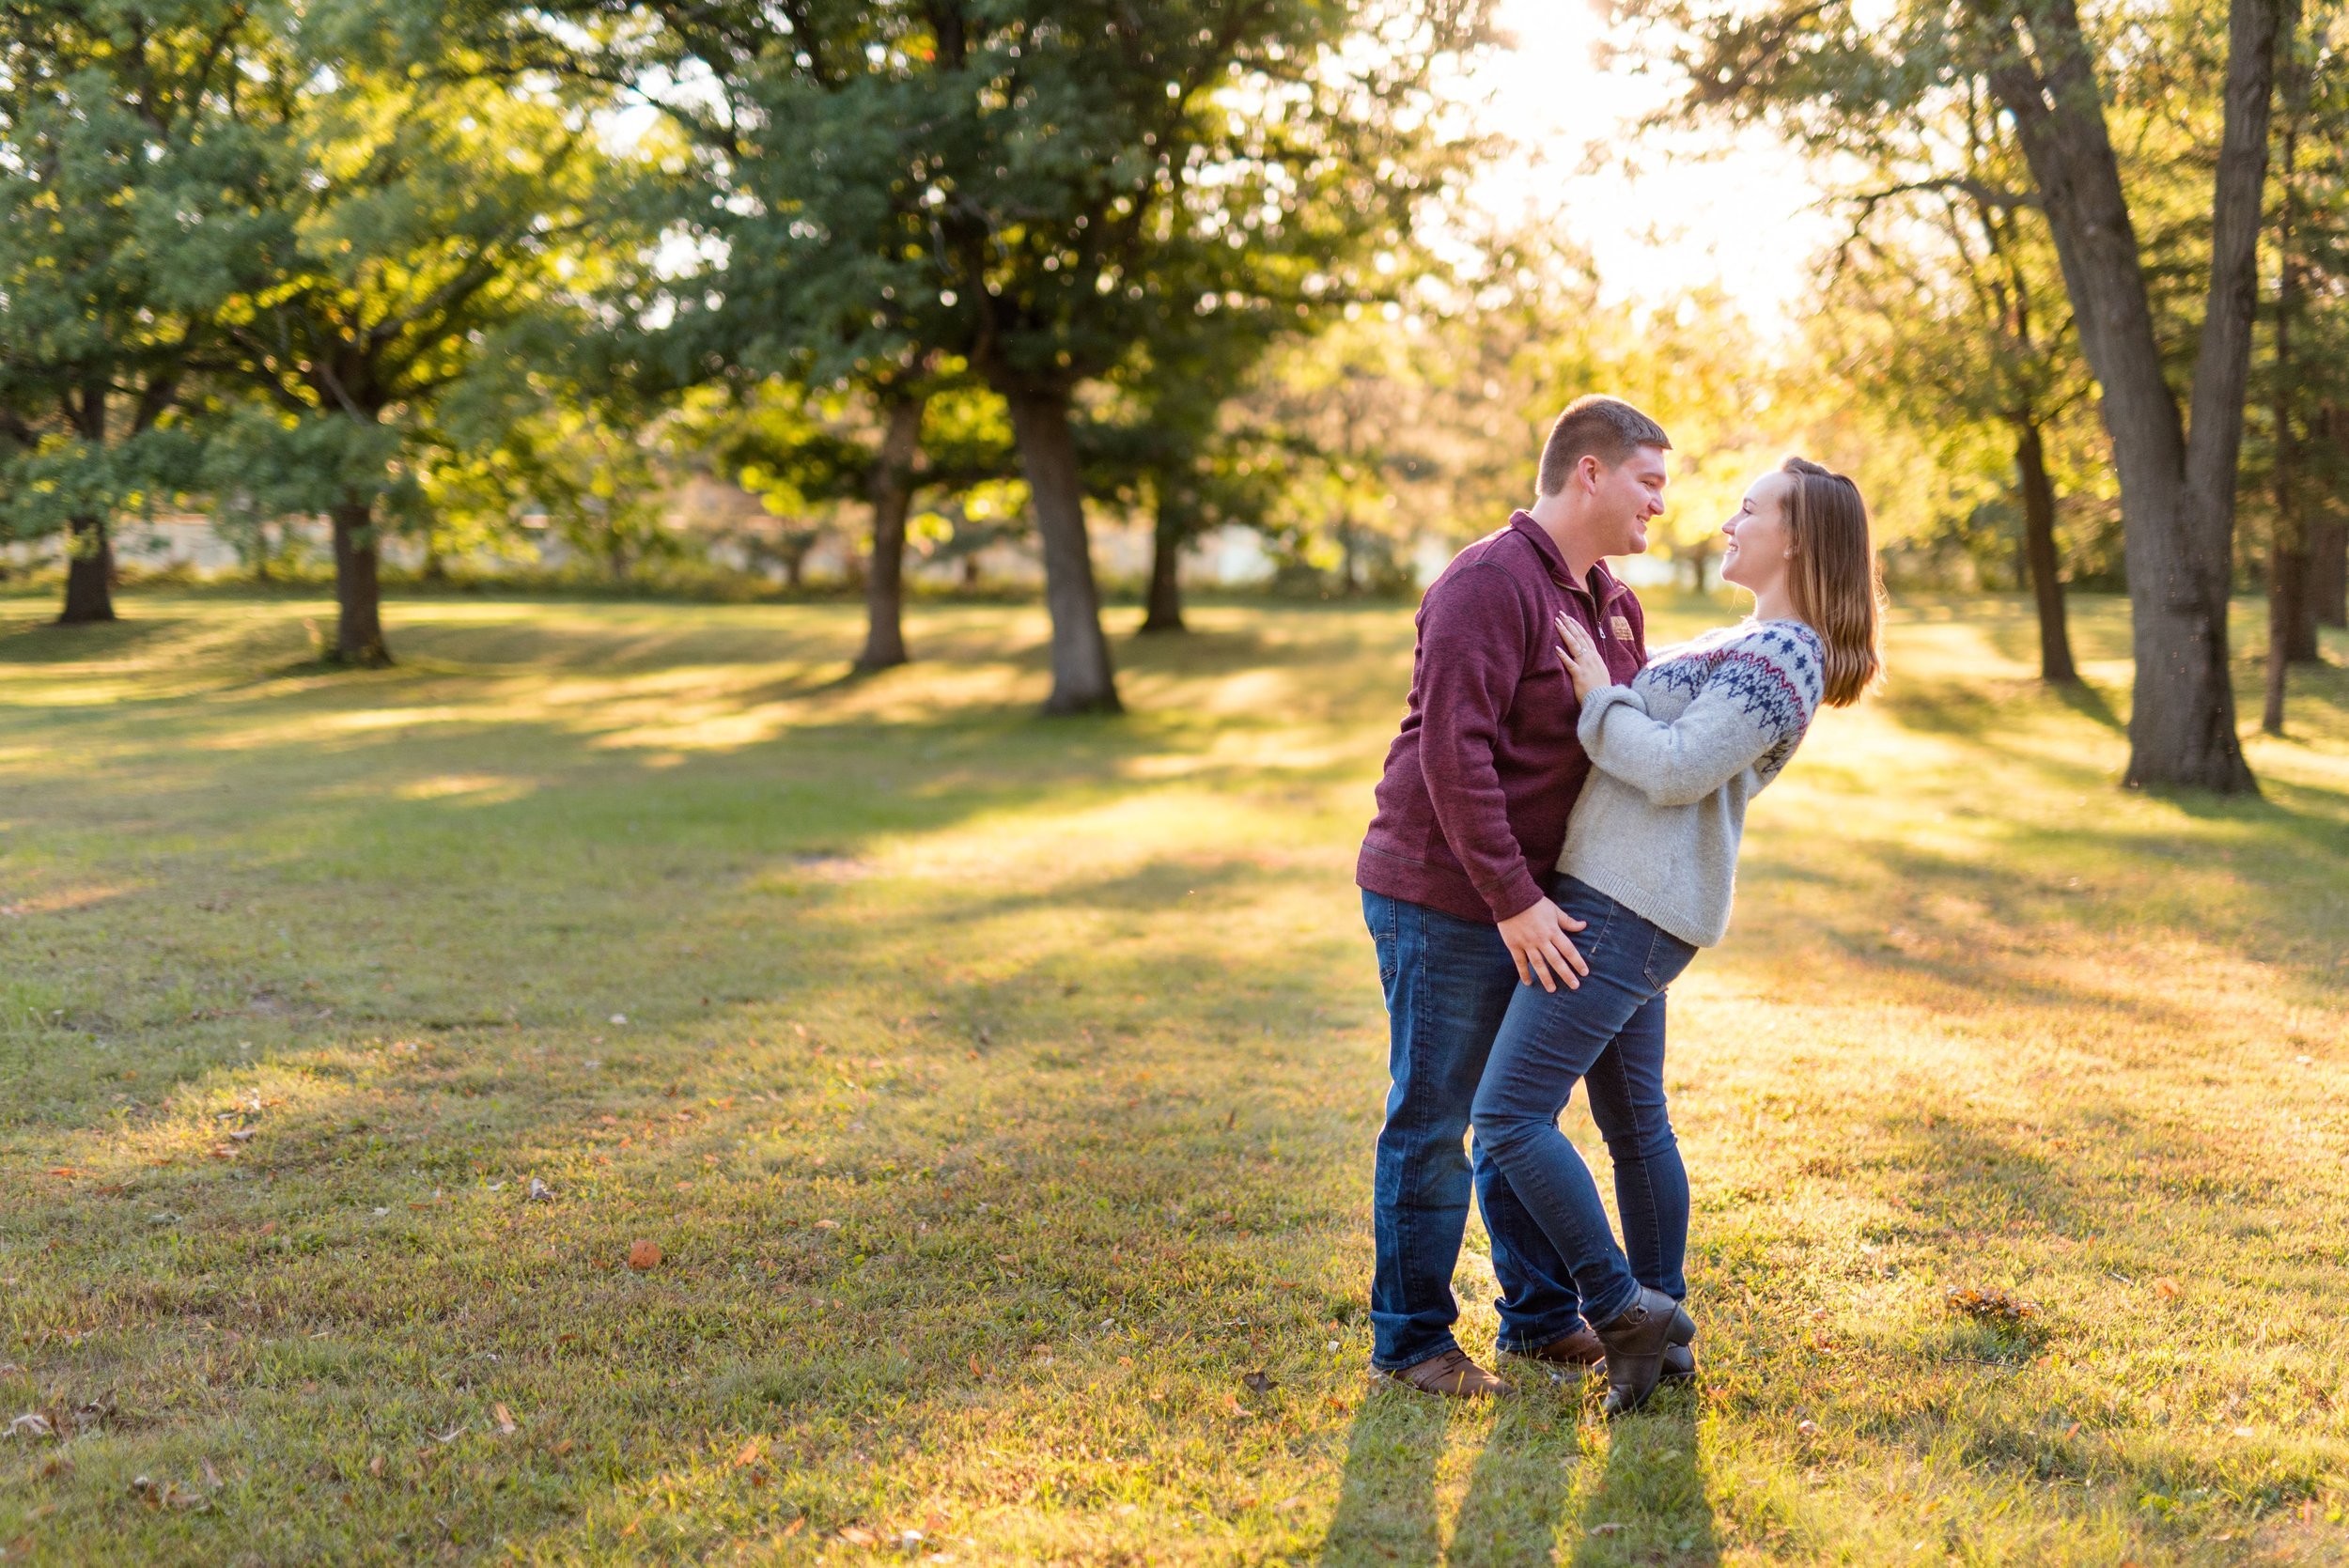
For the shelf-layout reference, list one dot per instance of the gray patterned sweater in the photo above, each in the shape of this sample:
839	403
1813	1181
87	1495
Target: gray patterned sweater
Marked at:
1675	755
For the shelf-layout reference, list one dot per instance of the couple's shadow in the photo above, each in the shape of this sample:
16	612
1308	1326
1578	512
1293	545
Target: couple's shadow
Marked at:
1532	1496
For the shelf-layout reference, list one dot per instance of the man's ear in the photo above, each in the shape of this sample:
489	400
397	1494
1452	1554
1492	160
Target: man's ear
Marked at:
1587	469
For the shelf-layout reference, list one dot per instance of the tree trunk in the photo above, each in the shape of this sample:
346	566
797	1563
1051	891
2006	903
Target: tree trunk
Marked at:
1083	680
2043	569
1167	538
358	597
2328	574
2291	629
89	573
2177	496
971	570
892	498
1700	556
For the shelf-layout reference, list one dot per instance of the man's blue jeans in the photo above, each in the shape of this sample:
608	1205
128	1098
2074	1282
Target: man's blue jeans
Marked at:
1609	1035
1448	982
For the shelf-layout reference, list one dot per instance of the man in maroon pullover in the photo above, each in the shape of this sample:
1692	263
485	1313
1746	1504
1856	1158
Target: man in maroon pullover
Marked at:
1455	874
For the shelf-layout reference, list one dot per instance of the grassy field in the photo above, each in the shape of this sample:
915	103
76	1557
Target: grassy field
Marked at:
998	1093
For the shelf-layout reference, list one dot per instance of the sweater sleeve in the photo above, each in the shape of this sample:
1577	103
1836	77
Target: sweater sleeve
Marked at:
1471	657
1759	697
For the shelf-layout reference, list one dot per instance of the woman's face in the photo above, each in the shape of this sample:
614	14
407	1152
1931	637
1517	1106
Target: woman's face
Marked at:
1760	537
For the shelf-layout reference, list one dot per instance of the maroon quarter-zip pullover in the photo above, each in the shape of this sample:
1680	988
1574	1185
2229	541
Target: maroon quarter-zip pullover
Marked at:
1472	809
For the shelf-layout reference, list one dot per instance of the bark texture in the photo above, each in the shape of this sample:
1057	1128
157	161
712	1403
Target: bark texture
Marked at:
1083	679
2177	495
358	592
892	493
89	573
2040	558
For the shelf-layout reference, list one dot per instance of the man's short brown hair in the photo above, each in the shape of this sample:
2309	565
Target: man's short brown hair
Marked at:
1606	429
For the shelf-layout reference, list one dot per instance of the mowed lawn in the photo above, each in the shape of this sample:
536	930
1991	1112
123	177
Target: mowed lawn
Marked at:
998	1095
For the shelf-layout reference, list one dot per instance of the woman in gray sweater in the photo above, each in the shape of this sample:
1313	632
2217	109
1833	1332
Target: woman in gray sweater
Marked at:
1649	864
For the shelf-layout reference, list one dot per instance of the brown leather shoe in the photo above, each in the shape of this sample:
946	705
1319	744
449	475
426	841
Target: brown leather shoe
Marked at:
1451	1375
1579	1349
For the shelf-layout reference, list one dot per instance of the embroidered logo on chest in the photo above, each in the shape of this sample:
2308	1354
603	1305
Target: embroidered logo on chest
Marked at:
1621	625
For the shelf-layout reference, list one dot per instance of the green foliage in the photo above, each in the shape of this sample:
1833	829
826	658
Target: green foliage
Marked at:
135	176
430	217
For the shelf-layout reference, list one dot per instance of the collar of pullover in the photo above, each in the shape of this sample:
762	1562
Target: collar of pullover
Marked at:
1608	587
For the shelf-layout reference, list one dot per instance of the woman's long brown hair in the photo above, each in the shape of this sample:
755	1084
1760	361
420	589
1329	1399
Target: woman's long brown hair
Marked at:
1834	582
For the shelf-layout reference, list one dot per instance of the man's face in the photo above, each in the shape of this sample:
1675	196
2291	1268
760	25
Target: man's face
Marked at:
1628	494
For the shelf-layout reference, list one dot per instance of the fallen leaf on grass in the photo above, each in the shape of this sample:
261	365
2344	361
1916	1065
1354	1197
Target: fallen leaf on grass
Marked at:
1992	1305
503	1417
750	1453
2168	1289
1808	1429
168	1494
643	1255
66	1172
1232	1406
374	1466
211	1476
856	1535
538	1192
1258	1383
1610	1528
31	1424
452	1434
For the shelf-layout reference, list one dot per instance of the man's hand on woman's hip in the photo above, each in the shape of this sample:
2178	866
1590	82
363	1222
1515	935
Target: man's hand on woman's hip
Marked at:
1537	940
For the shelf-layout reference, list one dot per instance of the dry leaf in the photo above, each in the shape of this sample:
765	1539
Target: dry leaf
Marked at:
31	1424
643	1255
211	1476
856	1535
1258	1383
374	1466
2168	1289
749	1453
538	1192
503	1417
1608	1529
1808	1429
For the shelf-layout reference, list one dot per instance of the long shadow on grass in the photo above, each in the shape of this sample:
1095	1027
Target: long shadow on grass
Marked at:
1386	1510
1650	1503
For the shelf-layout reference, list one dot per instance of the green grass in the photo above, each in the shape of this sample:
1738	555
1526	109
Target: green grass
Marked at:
1000	1092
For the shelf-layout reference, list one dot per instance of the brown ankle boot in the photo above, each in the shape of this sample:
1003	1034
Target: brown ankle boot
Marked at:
1451	1375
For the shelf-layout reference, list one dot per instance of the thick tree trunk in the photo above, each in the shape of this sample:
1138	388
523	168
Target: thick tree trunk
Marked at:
358	595
1083	680
2043	569
1167	538
89	573
892	498
2177	497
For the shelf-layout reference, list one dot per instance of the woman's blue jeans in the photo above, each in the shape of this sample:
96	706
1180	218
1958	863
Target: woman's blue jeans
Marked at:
1609	1033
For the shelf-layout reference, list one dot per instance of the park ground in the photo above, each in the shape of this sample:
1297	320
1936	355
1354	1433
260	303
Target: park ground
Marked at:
998	1093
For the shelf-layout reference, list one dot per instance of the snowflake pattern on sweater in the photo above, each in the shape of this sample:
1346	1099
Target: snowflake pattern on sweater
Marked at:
1675	755
1775	674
